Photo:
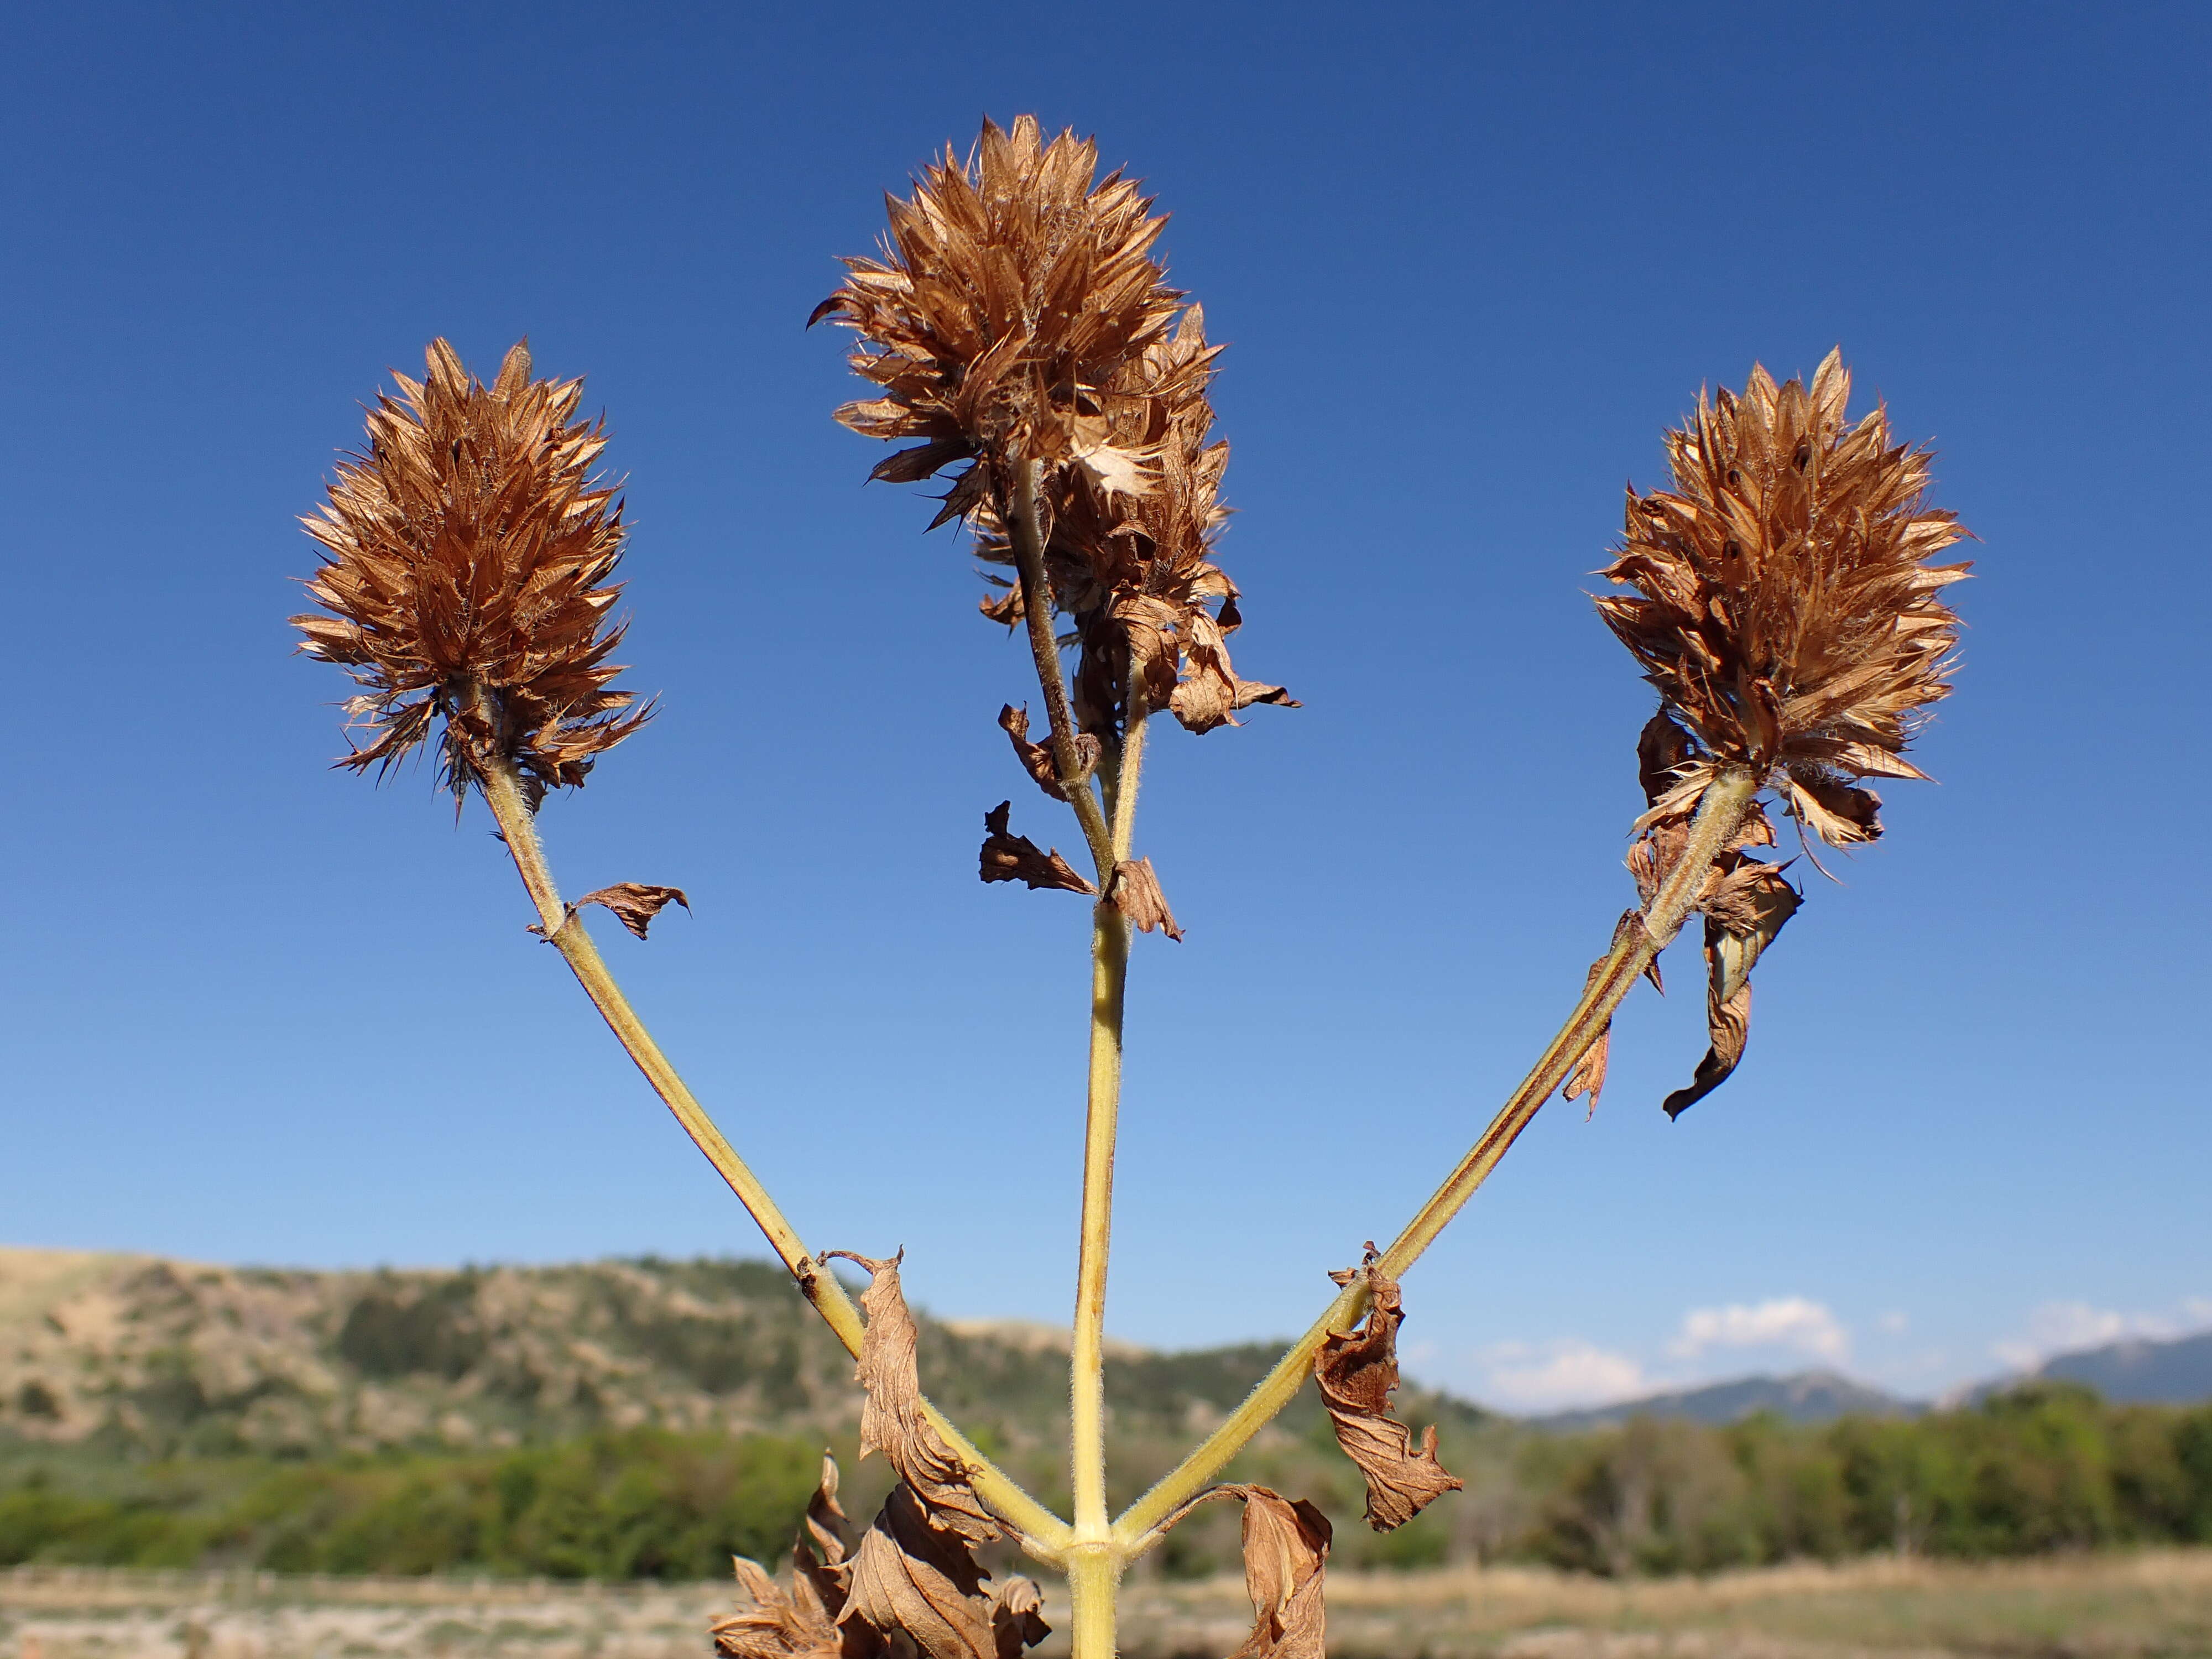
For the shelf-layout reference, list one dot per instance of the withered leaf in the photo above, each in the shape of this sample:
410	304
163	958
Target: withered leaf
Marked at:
1018	1617
1745	907
817	1554
780	1624
1588	1077
908	1575
1357	1373
635	904
1285	1552
891	1418
912	1577
797	1622
1037	757
1137	895
1009	857
1728	1026
1660	747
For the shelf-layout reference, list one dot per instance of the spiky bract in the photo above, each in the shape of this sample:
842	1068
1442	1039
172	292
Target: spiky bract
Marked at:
1786	611
466	558
1017	318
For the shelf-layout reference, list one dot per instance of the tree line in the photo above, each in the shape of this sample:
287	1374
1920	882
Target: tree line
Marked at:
2042	1469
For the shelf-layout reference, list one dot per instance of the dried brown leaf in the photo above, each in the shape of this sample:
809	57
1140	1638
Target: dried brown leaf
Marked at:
892	1419
1285	1552
634	903
1137	895
1746	904
1588	1076
1008	857
1357	1373
1728	1026
1018	1617
909	1576
1037	757
797	1621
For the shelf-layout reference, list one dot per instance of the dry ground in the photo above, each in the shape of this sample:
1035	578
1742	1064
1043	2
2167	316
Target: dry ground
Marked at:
2111	1607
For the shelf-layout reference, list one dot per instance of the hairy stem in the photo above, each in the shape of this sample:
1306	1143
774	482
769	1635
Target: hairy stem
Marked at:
1025	528
1109	972
1043	1533
1094	1575
1095	1562
1720	812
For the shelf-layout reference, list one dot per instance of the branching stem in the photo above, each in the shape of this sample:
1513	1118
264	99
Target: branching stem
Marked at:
1720	812
1043	1533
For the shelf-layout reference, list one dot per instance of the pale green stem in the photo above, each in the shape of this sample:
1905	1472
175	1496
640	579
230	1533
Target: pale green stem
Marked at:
1719	814
1043	1533
1109	972
1094	1576
1093	1565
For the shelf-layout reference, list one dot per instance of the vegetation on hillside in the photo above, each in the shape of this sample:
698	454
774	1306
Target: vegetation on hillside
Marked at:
2049	1467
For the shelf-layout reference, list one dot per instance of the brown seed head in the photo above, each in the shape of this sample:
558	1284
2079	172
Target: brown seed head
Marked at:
1018	317
1786	609
466	555
1010	293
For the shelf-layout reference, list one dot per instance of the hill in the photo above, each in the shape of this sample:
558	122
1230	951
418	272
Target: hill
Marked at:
2140	1372
1805	1397
150	1358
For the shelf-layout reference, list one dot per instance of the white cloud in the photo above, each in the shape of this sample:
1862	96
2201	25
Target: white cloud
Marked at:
1559	1376
1794	1322
2058	1328
1894	1324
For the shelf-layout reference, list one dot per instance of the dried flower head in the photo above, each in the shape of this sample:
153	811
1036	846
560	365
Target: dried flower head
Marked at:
1009	295
1787	612
466	555
1019	319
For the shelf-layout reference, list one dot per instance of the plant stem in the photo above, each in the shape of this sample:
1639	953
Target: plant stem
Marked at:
1095	1562
1720	812
1025	527
1094	1575
1109	972
1043	1533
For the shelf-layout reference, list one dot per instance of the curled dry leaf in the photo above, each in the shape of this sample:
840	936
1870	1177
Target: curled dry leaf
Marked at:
908	1575
1137	895
1357	1373
1285	1552
1745	907
1037	757
1588	1076
892	1419
635	904
1018	1617
797	1622
1008	857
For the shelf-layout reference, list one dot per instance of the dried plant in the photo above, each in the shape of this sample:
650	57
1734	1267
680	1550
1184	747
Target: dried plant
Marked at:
466	558
1022	334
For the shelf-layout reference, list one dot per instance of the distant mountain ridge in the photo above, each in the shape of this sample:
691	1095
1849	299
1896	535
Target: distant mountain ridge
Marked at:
2140	1370
1805	1397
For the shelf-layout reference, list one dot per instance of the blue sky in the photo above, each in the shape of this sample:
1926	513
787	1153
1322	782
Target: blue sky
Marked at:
1471	261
